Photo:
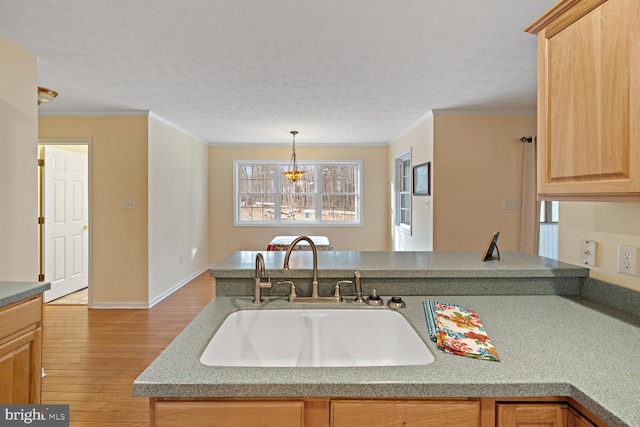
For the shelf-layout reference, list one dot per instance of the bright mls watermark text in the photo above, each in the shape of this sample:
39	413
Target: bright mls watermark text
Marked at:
34	415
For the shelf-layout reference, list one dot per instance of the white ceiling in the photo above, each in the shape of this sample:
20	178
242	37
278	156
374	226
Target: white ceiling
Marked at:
249	71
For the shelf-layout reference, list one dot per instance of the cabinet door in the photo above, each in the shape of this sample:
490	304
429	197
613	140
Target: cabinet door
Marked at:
232	413
20	369
589	101
531	414
404	413
574	419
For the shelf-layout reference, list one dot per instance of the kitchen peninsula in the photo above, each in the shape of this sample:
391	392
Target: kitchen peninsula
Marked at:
552	340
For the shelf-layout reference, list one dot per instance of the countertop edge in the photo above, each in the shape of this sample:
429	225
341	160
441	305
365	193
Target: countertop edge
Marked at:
11	292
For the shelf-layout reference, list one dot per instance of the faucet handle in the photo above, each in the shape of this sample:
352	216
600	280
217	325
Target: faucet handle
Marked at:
336	292
292	293
264	282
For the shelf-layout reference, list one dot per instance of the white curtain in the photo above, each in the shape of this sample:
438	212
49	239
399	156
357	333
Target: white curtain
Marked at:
530	214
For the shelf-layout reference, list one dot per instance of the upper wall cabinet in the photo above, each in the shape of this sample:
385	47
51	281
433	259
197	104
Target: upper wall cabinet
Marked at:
589	100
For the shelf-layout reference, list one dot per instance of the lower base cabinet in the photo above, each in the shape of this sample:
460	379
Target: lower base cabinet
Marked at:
542	415
21	351
339	412
575	419
527	414
249	413
409	413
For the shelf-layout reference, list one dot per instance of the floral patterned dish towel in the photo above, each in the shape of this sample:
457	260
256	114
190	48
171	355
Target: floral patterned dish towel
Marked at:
430	314
460	331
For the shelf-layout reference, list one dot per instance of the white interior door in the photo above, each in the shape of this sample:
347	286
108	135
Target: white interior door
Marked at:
66	211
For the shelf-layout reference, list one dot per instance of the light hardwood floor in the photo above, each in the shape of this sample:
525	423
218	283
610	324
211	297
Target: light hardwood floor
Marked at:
92	357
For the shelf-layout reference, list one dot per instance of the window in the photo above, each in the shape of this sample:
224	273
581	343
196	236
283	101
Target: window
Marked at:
327	194
548	212
548	243
403	192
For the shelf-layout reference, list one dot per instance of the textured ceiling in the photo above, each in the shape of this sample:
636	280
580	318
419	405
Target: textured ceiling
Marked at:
249	71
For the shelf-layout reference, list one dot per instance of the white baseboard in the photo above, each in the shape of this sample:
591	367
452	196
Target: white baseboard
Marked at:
126	305
145	304
177	286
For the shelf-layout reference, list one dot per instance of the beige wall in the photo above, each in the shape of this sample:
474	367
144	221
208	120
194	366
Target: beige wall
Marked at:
18	171
178	220
118	170
419	141
477	165
224	238
609	224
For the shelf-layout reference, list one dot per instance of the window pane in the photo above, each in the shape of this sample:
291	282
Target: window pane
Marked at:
257	207
257	179
297	207
339	179
256	192
406	175
554	211
339	207
405	208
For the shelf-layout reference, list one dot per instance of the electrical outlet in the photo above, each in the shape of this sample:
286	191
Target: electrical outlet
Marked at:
628	260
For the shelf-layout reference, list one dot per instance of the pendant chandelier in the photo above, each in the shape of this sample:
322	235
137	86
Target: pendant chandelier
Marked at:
293	173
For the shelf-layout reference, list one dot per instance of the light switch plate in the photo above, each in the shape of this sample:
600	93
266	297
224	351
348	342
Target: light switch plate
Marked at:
512	204
588	252
128	204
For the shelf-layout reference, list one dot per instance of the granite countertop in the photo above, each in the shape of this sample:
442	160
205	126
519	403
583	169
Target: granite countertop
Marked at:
549	345
398	265
11	292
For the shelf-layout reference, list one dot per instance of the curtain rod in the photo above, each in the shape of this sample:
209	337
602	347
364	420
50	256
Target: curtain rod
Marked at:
527	139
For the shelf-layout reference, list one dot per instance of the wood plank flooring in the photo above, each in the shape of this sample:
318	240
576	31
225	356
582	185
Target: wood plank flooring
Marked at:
92	357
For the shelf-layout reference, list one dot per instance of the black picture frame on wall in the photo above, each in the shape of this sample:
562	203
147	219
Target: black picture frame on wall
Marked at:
422	179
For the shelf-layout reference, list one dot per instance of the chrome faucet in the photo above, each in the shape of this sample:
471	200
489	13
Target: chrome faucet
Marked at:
315	294
259	278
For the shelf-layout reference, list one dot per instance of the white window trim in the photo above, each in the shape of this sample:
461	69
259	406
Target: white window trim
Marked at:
404	228
278	184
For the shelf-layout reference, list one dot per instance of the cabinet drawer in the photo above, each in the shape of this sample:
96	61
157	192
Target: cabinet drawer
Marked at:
20	317
237	414
409	413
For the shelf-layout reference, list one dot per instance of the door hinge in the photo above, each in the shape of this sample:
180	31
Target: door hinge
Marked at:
40	162
40	220
40	277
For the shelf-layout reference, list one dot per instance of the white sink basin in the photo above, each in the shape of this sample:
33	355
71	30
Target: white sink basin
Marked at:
316	337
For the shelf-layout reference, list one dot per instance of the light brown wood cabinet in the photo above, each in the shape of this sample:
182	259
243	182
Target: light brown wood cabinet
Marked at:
527	414
405	413
316	412
341	412
576	419
589	100
238	412
21	351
